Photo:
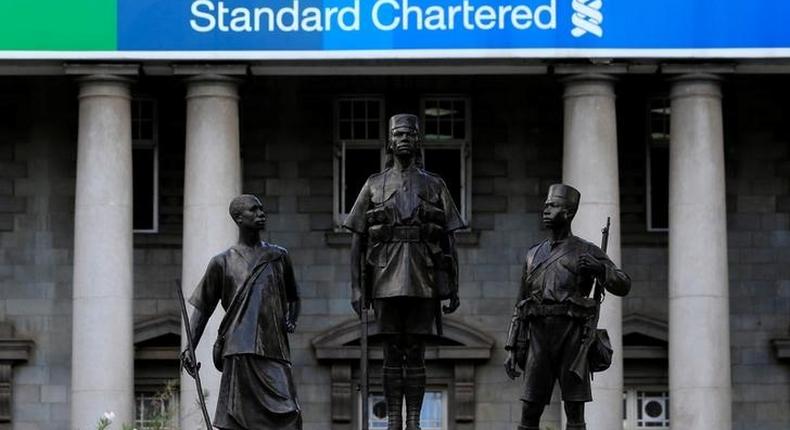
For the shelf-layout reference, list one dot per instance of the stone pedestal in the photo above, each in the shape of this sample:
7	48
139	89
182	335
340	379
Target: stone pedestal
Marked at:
590	165
102	347
212	179
699	338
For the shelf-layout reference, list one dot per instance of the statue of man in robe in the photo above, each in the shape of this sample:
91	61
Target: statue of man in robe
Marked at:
254	282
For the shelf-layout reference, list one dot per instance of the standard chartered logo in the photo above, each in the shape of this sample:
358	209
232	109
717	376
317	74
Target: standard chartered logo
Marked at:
587	18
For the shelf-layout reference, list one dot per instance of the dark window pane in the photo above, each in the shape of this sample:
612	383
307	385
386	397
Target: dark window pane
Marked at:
373	109
460	109
373	129
146	109
659	187
345	109
431	128
344	131
459	129
359	165
358	109
359	130
143	176
447	164
146	130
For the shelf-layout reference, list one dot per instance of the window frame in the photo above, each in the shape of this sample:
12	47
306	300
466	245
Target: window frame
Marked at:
153	144
464	145
650	144
340	147
631	396
444	390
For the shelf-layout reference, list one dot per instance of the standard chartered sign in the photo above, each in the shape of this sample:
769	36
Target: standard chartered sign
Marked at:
385	15
318	29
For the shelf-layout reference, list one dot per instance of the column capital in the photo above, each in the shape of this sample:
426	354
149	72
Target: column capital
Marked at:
104	85
589	84
212	85
696	85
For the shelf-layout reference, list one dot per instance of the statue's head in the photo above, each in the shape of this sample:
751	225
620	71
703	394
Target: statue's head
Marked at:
404	136
247	212
560	206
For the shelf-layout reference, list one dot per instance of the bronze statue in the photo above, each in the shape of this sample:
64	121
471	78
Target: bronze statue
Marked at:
403	254
552	334
255	283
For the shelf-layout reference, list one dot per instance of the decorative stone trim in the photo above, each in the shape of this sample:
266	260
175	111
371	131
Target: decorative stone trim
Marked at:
13	351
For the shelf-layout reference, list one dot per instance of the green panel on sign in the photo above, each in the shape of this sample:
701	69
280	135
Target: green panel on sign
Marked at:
58	25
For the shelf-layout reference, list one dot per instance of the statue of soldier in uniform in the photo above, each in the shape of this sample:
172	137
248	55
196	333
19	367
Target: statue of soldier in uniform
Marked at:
254	282
554	317
403	253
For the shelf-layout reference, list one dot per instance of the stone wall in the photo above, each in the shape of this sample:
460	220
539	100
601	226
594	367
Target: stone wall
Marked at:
39	132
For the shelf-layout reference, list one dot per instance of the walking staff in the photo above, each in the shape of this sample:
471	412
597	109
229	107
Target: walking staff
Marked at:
194	372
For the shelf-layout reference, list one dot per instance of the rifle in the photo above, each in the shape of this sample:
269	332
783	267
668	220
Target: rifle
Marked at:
580	365
363	344
191	352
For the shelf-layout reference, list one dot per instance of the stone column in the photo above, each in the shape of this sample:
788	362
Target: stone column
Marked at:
699	338
102	358
212	178
590	165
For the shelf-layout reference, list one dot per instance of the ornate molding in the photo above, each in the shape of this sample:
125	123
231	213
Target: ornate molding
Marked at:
13	351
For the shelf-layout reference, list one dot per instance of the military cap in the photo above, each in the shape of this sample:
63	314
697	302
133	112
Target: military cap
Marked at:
567	193
405	120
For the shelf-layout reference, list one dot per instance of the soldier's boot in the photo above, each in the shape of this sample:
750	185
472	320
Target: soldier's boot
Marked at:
576	426
415	391
392	381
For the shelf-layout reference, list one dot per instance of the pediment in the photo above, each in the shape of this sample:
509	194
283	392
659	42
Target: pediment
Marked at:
157	327
645	338
459	341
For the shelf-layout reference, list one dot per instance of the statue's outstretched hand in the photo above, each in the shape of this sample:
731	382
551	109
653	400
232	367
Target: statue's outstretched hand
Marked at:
189	364
510	366
453	305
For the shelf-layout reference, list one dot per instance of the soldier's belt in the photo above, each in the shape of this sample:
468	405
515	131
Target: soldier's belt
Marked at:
554	310
406	233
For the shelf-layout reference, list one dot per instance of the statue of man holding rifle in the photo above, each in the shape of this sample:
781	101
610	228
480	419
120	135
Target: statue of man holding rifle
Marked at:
404	262
255	283
553	334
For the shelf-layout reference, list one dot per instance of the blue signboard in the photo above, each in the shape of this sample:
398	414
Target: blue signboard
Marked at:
264	29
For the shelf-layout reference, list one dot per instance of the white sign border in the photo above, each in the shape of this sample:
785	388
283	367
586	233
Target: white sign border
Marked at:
402	54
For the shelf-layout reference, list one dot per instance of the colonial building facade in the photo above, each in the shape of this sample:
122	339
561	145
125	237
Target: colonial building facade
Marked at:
116	174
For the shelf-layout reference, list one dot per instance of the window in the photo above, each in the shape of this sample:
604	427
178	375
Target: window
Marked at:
145	166
433	415
447	145
646	408
658	164
359	148
156	410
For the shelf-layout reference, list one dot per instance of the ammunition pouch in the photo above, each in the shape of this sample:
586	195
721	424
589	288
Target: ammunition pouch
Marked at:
599	357
518	335
431	214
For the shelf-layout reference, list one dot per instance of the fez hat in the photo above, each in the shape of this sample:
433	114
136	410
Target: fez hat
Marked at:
567	193
405	120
